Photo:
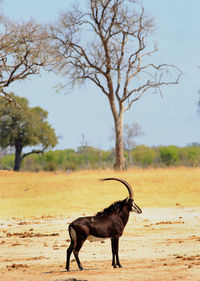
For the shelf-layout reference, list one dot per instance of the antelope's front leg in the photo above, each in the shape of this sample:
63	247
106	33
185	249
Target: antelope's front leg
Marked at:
113	253
115	250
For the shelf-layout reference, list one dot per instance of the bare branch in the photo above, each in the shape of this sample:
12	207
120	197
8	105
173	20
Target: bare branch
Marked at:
34	151
10	100
140	91
21	52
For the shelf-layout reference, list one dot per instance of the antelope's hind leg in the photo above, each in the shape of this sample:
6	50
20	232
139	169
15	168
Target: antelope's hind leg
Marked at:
69	251
77	240
72	234
76	252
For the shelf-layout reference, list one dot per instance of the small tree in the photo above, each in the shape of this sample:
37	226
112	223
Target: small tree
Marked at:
22	128
84	150
198	104
130	133
169	155
108	45
144	155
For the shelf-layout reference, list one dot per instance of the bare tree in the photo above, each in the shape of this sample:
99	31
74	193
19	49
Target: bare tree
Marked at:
108	45
21	52
198	104
130	133
84	150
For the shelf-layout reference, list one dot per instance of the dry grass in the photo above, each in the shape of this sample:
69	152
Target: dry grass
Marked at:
35	194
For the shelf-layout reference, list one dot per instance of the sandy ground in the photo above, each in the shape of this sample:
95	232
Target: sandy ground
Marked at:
160	245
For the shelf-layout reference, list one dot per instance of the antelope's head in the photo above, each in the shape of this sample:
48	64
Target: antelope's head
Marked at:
130	200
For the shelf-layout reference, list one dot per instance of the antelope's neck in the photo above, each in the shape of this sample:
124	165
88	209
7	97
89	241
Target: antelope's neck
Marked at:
124	215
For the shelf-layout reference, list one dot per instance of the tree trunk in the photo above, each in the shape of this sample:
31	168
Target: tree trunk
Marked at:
119	144
18	156
119	140
118	123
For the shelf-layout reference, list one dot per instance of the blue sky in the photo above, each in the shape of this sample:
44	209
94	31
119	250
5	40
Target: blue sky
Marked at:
170	120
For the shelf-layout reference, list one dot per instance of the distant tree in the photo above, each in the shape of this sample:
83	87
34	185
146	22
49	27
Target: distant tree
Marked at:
169	155
24	128
4	152
84	150
144	155
22	52
130	133
108	45
193	155
198	104
50	161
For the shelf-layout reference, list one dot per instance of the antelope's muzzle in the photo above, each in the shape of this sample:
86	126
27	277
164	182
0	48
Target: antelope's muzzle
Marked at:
136	209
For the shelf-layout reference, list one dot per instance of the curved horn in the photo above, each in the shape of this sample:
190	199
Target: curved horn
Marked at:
130	191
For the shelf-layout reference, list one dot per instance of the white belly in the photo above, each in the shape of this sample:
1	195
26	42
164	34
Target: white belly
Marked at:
95	239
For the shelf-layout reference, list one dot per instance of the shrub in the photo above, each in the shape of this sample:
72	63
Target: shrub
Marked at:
169	155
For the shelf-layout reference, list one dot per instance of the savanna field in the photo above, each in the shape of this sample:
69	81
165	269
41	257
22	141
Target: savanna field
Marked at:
161	244
41	194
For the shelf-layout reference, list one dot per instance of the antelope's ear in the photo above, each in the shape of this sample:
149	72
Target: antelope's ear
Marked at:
128	200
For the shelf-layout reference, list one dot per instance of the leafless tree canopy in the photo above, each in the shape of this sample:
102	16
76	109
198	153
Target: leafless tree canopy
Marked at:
21	52
109	46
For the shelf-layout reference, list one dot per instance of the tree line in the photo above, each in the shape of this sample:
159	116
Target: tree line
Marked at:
21	129
88	157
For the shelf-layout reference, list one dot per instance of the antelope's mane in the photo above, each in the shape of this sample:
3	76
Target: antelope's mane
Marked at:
113	207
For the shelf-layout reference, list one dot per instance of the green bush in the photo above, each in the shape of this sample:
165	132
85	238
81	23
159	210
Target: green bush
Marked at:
193	155
143	156
169	155
7	161
50	161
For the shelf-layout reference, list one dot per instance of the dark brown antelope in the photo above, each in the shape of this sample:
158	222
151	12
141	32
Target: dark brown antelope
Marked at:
108	224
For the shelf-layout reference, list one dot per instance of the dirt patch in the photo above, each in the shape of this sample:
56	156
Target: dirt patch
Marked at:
160	244
15	266
29	234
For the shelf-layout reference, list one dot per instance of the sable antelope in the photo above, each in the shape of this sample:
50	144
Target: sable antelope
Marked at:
107	224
